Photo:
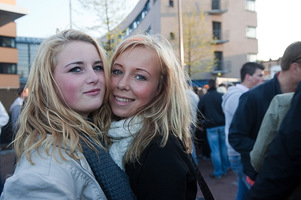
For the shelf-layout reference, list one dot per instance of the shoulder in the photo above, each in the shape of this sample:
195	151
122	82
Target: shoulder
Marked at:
53	167
172	154
283	99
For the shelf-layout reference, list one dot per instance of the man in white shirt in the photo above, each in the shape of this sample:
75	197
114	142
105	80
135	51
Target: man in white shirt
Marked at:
251	75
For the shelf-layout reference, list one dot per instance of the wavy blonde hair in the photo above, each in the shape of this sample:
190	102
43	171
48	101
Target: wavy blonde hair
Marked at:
45	114
169	112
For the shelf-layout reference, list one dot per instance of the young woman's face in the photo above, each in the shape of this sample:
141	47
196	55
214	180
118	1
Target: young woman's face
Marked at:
80	77
134	80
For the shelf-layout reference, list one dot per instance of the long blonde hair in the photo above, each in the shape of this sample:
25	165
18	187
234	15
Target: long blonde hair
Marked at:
45	114
169	112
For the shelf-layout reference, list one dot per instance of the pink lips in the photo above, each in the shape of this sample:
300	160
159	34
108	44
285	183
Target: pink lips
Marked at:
93	92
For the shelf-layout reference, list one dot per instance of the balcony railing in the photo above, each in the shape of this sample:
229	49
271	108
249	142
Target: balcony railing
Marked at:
218	8
220	37
222	66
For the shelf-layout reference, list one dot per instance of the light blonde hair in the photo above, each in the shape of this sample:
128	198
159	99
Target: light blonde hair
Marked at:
169	112
45	114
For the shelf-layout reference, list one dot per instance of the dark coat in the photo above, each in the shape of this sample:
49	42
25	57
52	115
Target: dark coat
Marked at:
281	170
247	119
163	173
210	105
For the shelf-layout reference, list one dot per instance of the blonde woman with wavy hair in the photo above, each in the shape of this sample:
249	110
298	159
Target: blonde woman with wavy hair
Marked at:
62	122
151	119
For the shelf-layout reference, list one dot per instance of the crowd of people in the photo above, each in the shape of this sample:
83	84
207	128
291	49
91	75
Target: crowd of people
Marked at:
132	126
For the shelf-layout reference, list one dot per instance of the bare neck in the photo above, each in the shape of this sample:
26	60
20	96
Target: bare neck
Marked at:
286	82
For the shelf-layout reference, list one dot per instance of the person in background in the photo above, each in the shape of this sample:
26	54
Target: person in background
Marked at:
280	175
150	131
194	100
201	141
66	112
210	111
222	88
16	106
254	103
269	126
4	117
251	75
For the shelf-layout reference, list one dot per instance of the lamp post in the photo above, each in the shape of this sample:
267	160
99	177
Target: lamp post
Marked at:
181	48
70	14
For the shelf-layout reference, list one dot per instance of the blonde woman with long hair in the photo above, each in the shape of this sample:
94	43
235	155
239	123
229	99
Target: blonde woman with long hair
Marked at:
151	119
62	122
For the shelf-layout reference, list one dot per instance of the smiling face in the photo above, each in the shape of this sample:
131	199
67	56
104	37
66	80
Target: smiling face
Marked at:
80	77
134	80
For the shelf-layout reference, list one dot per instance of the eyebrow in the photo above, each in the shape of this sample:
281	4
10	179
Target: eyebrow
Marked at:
77	62
80	62
139	69
136	68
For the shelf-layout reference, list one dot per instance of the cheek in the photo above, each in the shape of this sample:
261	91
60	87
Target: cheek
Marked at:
147	94
68	92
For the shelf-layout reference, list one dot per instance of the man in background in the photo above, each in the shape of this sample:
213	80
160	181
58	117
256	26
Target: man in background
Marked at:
251	74
16	106
254	104
211	113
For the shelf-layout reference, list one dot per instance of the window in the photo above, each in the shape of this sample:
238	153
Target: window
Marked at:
218	55
170	3
7	42
137	20
8	68
252	57
215	5
251	32
250	5
217	29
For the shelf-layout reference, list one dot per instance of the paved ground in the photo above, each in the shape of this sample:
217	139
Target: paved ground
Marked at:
222	189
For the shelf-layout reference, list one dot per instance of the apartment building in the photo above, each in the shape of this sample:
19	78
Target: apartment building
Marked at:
232	25
9	79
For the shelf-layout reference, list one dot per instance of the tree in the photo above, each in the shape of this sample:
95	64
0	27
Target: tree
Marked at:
107	15
197	42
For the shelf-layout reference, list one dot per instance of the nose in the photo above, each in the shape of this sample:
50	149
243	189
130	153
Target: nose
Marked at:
123	83
92	76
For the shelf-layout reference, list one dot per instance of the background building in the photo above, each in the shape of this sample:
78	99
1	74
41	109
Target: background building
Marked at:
27	51
9	79
232	25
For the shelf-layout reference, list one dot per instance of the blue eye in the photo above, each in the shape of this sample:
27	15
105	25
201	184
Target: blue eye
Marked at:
98	68
140	77
75	69
116	72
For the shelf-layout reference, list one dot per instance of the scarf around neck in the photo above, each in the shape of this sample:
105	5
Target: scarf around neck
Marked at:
122	134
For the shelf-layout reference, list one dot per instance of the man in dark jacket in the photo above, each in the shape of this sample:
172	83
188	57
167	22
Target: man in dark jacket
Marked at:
254	103
210	106
280	174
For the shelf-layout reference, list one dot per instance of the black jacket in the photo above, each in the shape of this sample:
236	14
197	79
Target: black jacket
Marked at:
210	105
247	119
281	170
163	173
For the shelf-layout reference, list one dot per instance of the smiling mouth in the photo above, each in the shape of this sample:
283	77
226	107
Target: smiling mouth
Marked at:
123	99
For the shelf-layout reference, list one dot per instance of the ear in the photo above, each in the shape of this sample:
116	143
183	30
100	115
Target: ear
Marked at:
294	68
248	77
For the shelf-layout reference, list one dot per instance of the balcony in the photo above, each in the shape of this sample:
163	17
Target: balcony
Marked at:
222	67
220	37
217	8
